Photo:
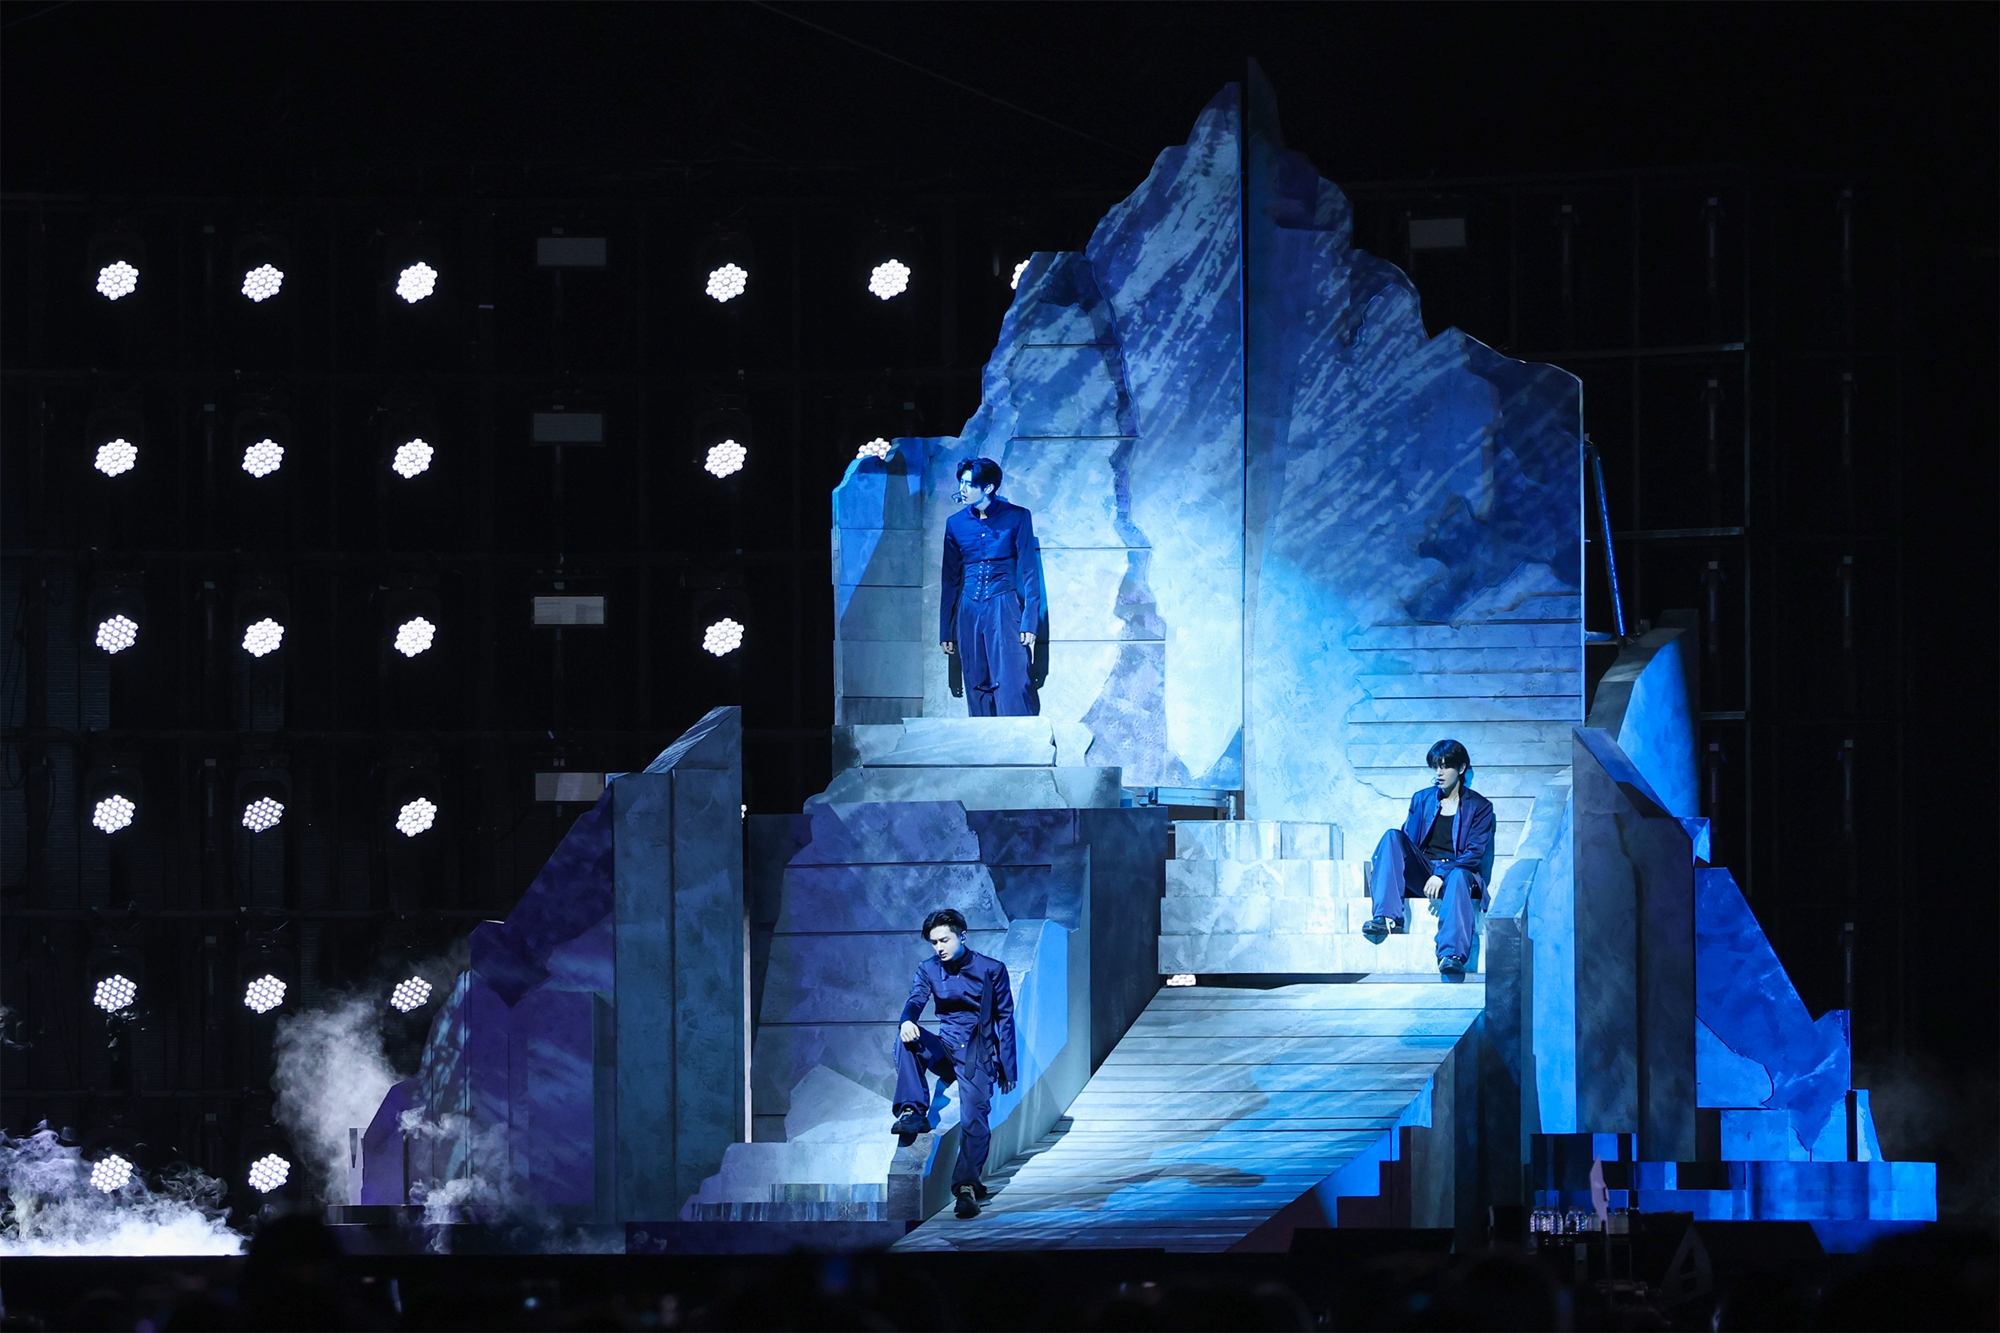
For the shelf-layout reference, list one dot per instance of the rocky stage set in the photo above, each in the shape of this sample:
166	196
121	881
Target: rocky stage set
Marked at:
1289	541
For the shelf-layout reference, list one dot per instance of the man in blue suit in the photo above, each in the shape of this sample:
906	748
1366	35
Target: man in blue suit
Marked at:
973	1046
990	597
1443	852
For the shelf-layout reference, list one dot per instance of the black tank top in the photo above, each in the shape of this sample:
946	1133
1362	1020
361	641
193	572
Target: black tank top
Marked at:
1437	846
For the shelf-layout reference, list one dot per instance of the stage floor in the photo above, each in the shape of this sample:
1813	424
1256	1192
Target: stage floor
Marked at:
1219	1108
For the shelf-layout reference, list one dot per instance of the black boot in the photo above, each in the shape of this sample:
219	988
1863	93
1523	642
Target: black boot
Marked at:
911	1122
968	1201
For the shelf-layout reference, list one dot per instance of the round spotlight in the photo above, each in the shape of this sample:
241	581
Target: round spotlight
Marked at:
724	636
260	284
875	448
114	993
413	636
411	994
117	279
269	1172
890	278
416	282
726	458
264	994
113	813
110	1173
727	283
117	634
263	637
412	458
263	458
415	817
1015	281
116	456
262	813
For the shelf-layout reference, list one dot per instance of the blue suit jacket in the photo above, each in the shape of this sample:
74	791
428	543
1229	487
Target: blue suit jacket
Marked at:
1007	533
996	1007
1471	829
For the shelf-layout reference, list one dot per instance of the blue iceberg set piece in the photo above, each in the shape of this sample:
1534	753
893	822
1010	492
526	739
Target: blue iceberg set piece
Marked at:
588	1066
1289	540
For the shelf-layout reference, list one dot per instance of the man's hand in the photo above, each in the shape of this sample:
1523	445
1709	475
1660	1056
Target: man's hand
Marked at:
1027	638
1005	1087
909	1034
950	646
1433	887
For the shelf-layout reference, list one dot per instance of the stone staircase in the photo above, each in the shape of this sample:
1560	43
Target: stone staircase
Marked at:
1251	896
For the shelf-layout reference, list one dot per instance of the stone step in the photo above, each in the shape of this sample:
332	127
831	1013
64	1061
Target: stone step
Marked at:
1254	840
787	1211
1250	914
1304	952
1289	879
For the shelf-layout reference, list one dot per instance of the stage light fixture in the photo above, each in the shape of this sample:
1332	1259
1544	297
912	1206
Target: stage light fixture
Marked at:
411	994
1181	979
725	636
263	637
263	458
264	994
726	458
416	282
727	283
116	456
262	283
117	279
112	813
414	636
117	633
1014	282
875	448
269	1172
415	817
412	457
114	992
262	813
110	1173
890	278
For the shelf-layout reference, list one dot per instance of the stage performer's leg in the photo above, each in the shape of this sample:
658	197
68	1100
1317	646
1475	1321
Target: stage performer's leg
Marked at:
1457	927
1013	692
1397	870
975	1137
913	1061
976	622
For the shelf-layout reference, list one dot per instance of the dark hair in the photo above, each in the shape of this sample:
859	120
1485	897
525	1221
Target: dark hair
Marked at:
985	472
1448	754
945	916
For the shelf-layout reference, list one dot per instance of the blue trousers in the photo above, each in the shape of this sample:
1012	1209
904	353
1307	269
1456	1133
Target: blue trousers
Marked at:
1400	869
994	661
932	1054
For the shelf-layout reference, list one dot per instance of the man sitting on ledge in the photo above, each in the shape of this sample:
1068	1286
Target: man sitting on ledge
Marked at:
973	1046
1443	852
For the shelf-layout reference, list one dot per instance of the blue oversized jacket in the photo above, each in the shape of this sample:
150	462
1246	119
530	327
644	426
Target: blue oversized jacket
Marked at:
1006	534
1471	829
995	1005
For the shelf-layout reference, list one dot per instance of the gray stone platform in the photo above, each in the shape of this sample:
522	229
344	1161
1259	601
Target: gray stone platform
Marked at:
1249	896
984	763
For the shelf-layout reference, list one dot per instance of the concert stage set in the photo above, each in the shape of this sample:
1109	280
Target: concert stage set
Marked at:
1289	542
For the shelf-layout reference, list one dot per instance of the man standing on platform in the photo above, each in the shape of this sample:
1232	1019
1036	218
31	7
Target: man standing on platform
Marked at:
990	600
973	1047
1443	852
